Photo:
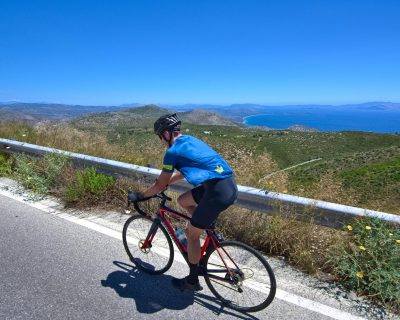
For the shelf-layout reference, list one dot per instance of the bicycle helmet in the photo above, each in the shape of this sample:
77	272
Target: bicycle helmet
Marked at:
168	122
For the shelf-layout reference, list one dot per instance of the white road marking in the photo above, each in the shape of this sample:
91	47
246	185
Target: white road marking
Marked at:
280	294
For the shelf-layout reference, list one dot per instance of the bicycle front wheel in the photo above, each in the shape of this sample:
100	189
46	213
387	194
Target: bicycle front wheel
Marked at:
240	277
148	244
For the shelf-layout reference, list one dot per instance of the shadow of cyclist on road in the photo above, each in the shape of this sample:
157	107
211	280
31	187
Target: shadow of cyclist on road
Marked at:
151	293
154	293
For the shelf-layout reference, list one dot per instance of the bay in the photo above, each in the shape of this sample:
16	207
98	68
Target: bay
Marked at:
328	119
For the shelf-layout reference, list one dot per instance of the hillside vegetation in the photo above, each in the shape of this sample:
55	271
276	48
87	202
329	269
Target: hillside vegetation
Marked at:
142	118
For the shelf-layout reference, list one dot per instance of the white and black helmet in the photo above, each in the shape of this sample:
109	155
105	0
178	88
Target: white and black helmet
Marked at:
168	122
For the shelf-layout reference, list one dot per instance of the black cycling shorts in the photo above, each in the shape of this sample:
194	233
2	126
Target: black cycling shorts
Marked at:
212	197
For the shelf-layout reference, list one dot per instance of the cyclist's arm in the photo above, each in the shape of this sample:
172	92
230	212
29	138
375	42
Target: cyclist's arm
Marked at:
165	177
161	184
175	177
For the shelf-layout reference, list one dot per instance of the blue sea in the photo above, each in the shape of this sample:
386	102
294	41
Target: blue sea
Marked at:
329	119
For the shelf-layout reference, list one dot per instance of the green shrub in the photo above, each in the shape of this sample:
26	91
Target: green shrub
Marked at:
39	174
369	262
26	172
88	184
375	176
52	166
5	165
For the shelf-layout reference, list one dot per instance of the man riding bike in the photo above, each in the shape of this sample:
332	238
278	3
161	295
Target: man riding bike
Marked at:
215	188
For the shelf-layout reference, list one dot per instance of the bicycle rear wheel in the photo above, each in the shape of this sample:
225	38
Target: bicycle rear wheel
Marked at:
240	277
153	257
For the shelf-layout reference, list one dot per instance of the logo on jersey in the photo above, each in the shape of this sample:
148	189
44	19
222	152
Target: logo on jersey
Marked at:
168	167
219	169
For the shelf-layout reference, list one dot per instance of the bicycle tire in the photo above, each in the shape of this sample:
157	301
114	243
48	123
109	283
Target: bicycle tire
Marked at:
264	263
137	261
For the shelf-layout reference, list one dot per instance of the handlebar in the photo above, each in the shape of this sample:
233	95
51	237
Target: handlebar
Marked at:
164	198
160	195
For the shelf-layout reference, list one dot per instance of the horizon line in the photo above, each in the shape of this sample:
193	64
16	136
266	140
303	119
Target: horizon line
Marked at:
138	104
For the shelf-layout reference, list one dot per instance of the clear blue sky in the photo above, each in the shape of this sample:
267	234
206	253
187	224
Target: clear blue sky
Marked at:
204	51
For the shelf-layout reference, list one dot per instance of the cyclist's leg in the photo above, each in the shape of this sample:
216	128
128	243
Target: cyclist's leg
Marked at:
218	196
212	200
187	202
190	199
193	237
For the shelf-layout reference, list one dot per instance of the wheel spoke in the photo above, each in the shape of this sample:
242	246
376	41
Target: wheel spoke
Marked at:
246	268
156	258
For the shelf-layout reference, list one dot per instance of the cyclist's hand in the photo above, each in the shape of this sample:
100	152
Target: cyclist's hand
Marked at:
135	196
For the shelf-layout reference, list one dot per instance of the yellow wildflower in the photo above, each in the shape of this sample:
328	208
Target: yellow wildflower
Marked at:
390	234
362	248
360	274
349	227
368	227
398	241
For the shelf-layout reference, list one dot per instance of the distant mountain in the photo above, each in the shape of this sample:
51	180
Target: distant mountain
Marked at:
8	102
130	105
6	115
373	106
49	111
204	117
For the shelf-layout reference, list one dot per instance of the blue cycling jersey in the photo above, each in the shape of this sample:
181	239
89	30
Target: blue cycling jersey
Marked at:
196	160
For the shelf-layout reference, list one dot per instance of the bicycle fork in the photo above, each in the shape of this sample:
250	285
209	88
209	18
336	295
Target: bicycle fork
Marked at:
150	235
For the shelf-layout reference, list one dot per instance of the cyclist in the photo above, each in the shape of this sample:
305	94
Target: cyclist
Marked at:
215	188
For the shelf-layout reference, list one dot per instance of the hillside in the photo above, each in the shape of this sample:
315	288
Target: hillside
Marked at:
204	117
302	128
140	117
6	115
144	117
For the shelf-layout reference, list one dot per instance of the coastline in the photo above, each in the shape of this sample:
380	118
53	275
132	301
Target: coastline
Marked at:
244	120
338	125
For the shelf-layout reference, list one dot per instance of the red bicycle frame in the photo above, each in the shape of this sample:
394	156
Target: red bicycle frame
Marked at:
211	238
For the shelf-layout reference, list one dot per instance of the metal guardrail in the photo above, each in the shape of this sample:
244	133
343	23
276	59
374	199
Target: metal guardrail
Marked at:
321	212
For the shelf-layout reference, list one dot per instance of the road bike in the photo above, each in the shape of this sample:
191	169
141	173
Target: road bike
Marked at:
238	275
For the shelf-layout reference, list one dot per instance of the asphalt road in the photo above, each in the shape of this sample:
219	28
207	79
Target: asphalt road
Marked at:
51	268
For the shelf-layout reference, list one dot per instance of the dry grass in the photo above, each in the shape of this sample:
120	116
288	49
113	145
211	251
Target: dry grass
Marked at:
63	136
330	188
251	169
303	244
